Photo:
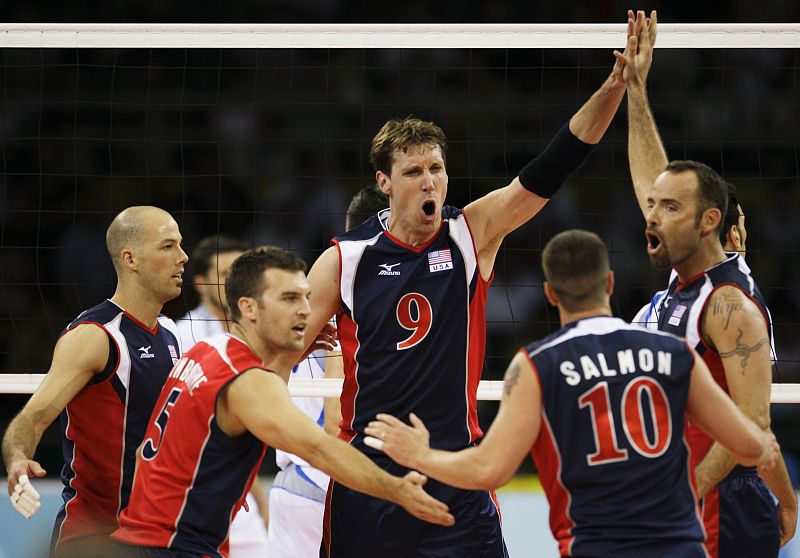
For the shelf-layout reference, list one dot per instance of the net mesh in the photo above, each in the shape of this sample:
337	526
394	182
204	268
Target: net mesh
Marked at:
270	144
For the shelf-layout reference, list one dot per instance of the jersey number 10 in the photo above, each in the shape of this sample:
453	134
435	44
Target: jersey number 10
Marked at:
633	414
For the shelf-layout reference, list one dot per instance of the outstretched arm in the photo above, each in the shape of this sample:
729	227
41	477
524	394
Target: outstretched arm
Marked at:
78	355
498	213
646	154
259	401
495	460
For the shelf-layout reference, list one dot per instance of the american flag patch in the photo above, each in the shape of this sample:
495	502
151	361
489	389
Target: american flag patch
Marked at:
677	314
173	353
440	260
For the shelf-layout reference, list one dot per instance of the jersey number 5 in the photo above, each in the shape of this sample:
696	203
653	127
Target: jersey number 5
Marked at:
656	409
150	448
415	314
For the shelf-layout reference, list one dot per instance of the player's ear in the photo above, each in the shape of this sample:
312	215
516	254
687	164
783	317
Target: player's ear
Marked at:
610	282
248	307
384	183
550	294
128	259
735	238
710	220
199	281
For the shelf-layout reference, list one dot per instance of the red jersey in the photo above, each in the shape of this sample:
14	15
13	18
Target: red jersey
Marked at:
192	477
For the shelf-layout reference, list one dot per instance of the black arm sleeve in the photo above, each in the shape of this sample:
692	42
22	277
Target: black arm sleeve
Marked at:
550	169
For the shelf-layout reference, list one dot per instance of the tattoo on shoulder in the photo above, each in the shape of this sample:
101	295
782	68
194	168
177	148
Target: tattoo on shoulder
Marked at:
511	379
743	350
725	305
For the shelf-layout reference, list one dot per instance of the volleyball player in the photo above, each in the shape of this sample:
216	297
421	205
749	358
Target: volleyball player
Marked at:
601	404
297	496
714	303
733	237
409	289
211	259
107	371
222	403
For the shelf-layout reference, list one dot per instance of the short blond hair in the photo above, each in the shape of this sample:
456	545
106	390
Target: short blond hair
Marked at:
399	135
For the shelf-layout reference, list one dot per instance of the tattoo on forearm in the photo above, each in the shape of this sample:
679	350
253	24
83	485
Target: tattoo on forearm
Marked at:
511	379
743	350
726	305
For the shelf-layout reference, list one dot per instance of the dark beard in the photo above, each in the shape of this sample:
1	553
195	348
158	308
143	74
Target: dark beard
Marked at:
662	261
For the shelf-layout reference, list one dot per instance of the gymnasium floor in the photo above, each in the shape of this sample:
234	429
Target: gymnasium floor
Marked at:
522	503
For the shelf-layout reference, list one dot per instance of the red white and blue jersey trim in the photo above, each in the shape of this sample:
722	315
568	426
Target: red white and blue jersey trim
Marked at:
412	329
679	310
611	454
105	422
193	478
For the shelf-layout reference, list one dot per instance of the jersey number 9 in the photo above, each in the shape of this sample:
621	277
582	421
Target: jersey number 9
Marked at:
414	313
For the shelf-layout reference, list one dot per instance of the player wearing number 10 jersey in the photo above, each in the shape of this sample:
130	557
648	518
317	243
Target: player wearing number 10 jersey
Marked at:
600	403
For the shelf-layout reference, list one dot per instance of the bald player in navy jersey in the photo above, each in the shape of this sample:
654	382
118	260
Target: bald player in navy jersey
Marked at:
107	372
600	404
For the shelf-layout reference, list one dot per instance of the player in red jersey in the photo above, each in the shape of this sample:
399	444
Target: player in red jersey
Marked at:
715	304
224	400
600	406
106	375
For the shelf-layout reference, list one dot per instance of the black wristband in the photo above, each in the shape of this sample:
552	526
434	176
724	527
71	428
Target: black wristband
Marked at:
550	169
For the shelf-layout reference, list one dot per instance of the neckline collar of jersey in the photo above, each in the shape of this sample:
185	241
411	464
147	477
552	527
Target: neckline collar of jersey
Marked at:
136	321
417	249
680	286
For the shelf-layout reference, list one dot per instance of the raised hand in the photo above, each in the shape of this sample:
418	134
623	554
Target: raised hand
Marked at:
619	64
637	58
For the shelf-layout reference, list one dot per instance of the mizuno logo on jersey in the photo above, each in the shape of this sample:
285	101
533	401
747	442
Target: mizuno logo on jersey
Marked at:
440	260
146	352
388	269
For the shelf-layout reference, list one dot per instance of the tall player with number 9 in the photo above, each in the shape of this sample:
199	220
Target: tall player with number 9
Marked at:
601	405
409	287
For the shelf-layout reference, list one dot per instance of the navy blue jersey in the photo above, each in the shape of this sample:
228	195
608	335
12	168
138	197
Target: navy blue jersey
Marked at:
611	453
412	329
680	311
105	422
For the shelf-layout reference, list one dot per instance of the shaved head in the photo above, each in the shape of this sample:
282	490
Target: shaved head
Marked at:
130	228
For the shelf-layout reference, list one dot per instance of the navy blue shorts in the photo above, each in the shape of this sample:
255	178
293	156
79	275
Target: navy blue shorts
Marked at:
640	549
126	551
357	525
741	518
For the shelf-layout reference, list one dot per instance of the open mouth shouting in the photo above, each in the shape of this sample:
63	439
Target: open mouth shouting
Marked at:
654	244
429	210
